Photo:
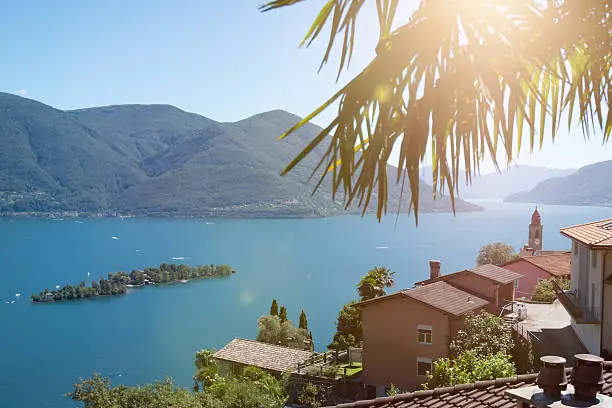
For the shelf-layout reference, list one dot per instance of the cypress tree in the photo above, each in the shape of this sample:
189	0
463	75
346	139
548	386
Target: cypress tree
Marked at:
283	314
303	321
274	308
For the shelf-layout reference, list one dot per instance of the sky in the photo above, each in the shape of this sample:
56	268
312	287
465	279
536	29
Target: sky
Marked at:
223	59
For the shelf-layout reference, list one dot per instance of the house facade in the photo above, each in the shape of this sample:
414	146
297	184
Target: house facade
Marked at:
404	332
537	267
589	300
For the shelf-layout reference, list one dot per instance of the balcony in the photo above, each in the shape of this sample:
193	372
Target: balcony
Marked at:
580	310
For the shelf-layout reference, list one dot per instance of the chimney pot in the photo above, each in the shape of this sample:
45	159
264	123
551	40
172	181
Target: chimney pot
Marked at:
434	269
587	376
551	378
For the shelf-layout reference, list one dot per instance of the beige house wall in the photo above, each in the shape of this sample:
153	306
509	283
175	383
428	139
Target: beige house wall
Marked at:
391	346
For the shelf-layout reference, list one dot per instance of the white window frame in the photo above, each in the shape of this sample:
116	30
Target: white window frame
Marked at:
425	361
425	327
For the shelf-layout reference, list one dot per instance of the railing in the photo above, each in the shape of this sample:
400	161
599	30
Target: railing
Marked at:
580	310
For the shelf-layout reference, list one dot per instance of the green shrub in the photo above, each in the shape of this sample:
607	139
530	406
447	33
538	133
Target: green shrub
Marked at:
544	291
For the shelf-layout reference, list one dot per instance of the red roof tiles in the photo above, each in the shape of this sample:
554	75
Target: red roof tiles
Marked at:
496	273
556	265
262	355
482	394
446	298
597	234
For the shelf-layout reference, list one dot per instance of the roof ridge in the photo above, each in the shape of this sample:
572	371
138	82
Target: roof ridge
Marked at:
585	224
268	344
515	379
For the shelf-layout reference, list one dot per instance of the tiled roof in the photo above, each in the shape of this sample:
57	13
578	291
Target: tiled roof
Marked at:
596	234
477	395
446	298
496	273
556	265
262	355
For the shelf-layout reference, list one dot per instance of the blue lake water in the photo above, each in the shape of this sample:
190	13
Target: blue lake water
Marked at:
154	332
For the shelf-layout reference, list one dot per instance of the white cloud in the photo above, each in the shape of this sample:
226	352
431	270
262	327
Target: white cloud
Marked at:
21	92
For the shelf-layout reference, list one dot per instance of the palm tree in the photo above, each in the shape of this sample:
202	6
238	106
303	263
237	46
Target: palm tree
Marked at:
463	77
374	283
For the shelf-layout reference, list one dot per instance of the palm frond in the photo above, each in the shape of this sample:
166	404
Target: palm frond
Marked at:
463	77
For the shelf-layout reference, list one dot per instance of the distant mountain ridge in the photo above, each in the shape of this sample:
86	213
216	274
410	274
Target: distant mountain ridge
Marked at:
589	185
509	181
159	160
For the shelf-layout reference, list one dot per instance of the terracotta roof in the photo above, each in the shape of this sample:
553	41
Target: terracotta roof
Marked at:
597	234
446	298
262	355
477	395
496	273
556	265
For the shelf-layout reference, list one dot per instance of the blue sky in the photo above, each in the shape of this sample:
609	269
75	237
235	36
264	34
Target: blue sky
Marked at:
222	59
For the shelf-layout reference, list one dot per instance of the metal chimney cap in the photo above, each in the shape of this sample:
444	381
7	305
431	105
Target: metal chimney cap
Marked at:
553	360
589	358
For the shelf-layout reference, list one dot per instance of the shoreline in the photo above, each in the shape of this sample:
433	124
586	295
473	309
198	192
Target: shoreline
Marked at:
119	283
217	216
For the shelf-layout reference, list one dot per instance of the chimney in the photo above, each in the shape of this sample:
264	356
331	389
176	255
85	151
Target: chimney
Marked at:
434	269
552	388
587	376
551	378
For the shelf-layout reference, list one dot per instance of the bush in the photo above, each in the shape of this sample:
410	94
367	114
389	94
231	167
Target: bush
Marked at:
544	291
470	366
484	333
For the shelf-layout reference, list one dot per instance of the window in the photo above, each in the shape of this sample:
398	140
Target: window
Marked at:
423	366
424	334
593	259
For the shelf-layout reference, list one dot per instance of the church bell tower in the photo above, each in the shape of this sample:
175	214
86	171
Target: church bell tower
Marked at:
535	231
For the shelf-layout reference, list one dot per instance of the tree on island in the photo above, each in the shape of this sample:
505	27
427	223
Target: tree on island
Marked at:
496	253
274	308
459	80
303	323
283	314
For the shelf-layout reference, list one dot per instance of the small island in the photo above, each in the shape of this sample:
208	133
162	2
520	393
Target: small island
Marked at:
117	283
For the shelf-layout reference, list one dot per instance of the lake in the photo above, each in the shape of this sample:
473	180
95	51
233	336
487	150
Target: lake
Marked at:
154	332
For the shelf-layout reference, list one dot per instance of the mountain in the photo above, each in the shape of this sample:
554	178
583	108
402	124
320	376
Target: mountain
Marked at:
160	160
499	185
589	185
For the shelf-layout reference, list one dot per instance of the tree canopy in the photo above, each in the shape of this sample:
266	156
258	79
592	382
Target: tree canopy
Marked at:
496	253
254	388
374	283
348	328
273	330
484	333
274	308
464	79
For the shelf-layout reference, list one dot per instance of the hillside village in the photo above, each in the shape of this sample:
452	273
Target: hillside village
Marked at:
406	332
